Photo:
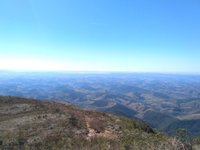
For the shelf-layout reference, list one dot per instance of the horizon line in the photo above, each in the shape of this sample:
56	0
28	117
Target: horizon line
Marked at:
100	72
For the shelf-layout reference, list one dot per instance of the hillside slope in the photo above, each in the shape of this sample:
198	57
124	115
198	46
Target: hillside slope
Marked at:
170	124
30	124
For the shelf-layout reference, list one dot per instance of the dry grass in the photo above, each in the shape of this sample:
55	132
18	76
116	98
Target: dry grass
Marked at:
29	124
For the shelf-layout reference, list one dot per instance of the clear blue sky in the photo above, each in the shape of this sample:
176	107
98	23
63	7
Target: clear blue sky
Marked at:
100	35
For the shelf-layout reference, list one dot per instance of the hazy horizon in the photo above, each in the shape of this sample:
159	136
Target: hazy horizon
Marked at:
99	72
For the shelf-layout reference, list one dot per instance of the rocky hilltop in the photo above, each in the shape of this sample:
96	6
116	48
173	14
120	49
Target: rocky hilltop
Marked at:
28	124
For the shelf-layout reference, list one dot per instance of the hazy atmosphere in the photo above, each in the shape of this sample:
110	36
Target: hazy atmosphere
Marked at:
100	35
99	74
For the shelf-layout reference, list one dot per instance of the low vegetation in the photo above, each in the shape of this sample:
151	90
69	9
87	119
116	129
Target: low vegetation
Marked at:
27	124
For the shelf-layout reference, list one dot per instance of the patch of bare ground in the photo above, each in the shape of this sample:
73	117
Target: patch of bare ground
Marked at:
96	129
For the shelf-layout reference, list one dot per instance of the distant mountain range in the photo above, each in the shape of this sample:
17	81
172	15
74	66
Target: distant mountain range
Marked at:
164	101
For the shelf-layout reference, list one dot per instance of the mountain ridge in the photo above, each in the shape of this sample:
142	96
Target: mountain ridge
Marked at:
29	123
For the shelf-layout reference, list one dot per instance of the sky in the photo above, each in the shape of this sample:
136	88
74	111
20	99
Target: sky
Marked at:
100	35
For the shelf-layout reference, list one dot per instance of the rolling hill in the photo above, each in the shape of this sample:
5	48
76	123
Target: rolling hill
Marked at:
170	124
27	124
170	97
